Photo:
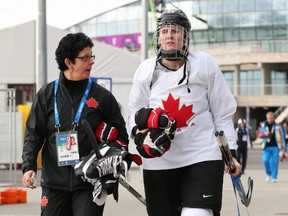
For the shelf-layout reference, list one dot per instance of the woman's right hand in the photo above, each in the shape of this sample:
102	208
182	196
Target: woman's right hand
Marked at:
29	179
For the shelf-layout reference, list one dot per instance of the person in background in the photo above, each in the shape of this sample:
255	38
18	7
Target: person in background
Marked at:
56	114
284	155
177	102
259	129
273	141
243	141
285	130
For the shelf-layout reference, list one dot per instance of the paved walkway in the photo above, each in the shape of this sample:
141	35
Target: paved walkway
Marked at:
269	199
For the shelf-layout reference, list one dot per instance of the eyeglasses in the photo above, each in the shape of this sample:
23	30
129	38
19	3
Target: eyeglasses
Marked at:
86	57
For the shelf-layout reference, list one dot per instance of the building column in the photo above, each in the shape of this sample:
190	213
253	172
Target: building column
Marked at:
236	84
266	88
248	114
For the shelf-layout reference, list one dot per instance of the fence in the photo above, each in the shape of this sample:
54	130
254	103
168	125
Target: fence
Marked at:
9	151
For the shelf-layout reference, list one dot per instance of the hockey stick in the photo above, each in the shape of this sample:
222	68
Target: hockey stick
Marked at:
126	185
95	146
224	147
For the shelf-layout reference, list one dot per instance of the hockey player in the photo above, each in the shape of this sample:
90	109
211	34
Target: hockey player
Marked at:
177	101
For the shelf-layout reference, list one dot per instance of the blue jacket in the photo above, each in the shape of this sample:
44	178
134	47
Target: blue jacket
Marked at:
278	133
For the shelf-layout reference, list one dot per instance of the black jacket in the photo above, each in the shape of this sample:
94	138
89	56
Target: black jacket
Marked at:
241	132
40	128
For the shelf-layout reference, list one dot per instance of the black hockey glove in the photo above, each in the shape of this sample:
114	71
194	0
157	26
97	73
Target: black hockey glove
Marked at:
110	163
104	186
155	118
93	167
153	143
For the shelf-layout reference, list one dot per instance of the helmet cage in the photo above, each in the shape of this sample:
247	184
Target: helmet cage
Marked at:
171	41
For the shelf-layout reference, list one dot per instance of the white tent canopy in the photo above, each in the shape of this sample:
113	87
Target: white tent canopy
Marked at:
19	56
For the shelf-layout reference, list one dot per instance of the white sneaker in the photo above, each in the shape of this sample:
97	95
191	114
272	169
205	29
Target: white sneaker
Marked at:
267	178
274	180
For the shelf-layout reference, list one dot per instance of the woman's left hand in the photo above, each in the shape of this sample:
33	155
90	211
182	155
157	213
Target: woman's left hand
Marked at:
238	168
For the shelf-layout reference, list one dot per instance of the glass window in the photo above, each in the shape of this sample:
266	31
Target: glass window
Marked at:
247	33
246	5
280	31
279	82
280	17
201	6
229	77
196	7
280	4
281	46
230	6
250	82
246	19
215	36
231	34
263	5
214	7
263	18
231	20
199	37
267	44
215	21
264	32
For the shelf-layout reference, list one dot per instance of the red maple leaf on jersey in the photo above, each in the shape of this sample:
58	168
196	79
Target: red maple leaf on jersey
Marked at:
44	201
181	115
92	103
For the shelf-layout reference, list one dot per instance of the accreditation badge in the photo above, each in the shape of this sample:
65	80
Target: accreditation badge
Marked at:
244	138
67	148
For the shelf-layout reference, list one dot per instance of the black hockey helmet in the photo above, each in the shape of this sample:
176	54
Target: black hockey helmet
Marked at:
175	17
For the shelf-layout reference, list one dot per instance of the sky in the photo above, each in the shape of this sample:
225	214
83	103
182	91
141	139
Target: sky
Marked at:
59	13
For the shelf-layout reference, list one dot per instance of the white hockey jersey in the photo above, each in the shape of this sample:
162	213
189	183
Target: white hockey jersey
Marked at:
209	107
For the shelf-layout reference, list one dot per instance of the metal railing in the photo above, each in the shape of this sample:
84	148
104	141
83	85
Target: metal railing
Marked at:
260	90
281	114
8	152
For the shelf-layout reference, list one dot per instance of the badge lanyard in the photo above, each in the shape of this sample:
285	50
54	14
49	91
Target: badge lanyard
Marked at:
80	108
67	141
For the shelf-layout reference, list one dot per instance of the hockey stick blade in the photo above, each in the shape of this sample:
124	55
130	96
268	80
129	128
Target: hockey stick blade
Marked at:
95	145
245	197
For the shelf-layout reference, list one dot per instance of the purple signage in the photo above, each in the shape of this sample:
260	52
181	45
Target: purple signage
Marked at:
129	41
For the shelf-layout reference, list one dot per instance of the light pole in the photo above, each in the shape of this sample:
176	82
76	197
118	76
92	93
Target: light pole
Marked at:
144	30
41	44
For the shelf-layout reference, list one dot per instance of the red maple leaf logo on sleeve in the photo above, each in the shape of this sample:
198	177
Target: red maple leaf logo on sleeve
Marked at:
44	201
181	115
92	103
